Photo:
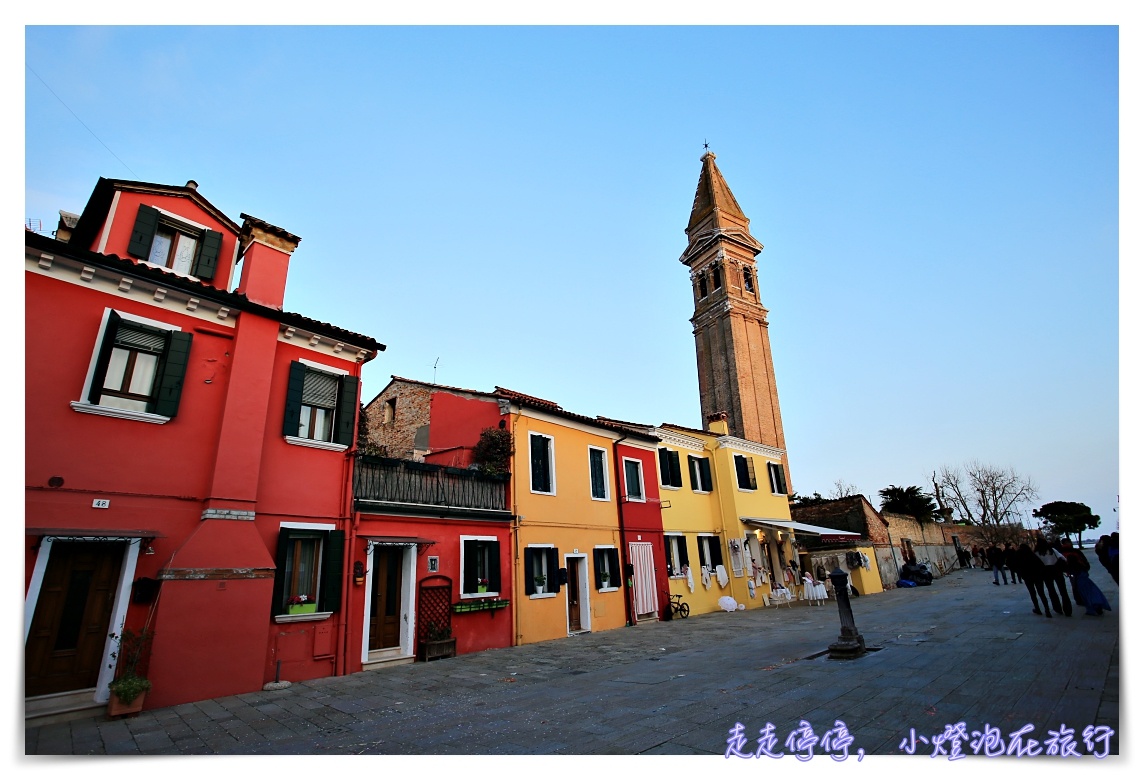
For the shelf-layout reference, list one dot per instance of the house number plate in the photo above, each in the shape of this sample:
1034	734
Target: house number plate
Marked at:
101	503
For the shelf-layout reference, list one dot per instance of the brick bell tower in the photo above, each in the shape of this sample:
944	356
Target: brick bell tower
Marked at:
732	341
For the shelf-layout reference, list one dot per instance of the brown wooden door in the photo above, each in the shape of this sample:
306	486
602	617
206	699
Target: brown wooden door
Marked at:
385	612
574	594
70	627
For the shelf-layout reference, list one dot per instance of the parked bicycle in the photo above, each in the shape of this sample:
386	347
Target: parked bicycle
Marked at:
678	607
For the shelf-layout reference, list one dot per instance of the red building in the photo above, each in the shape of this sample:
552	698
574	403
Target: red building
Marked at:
188	453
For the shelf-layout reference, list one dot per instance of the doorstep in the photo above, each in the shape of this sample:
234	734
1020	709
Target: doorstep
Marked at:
379	659
61	707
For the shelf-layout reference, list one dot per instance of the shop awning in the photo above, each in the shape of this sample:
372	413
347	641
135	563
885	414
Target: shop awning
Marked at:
827	534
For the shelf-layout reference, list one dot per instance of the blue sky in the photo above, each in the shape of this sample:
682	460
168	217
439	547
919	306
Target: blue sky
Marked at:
939	207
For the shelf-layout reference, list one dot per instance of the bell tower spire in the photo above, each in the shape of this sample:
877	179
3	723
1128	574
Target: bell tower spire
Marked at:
732	338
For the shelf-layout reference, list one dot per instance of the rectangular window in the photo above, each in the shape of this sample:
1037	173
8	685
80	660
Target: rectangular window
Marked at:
607	565
541	570
778	478
669	473
164	240
598	472
320	405
699	470
540	458
139	367
717	277
710	552
702	286
480	565
748	281
633	480
308	576
745	472
675	549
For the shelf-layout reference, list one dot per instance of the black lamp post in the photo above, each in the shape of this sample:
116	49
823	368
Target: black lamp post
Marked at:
850	643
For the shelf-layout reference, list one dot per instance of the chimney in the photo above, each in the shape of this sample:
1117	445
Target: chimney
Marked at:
717	423
266	251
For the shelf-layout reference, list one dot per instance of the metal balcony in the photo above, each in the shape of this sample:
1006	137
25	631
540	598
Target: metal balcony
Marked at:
385	484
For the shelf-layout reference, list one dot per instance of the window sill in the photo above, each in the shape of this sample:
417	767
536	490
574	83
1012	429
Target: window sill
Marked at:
169	270
597	498
747	490
490	594
701	492
123	414
318	445
305	617
542	596
677	577
541	492
608	590
671	487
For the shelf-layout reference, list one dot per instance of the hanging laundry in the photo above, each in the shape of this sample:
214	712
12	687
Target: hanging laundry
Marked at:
705	575
721	575
690	579
751	587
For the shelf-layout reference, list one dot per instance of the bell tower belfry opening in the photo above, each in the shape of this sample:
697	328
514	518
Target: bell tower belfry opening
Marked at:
732	338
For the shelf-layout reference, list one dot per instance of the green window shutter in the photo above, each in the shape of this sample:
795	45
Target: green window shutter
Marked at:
664	466
494	566
470	550
614	566
529	582
207	260
277	604
330	587
741	471
716	551
683	551
751	473
104	357
344	423
702	540
292	418
597	562
541	471
667	554
553	584
676	476
705	474
174	370
692	463
143	234
780	477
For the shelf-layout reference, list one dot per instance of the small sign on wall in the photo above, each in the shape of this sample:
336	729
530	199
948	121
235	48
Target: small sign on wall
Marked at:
434	563
101	503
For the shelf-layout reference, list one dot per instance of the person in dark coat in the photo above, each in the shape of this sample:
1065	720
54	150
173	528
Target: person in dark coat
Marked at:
1011	551
1104	550
1029	567
1054	574
997	561
1095	602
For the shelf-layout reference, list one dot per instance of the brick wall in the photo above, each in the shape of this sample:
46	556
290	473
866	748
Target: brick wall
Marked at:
410	412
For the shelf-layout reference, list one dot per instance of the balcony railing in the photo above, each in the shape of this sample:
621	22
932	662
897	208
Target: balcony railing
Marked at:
424	484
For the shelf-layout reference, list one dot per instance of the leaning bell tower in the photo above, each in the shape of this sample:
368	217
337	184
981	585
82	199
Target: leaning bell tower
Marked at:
732	339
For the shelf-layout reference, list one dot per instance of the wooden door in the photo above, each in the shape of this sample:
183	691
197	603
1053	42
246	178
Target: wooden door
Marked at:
385	611
574	594
71	623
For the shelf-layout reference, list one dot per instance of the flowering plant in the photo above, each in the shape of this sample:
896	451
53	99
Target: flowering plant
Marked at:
483	582
301	598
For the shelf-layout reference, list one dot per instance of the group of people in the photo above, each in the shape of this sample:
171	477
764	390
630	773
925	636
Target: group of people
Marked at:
1044	569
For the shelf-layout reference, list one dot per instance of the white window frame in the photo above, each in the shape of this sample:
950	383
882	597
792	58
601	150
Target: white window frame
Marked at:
461	570
750	465
772	466
607	483
551	463
659	467
319	444
179	224
643	483
307	617
706	553
614	576
695	475
675	562
87	407
547	574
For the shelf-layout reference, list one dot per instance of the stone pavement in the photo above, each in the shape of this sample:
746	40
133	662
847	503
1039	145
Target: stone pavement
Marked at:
960	650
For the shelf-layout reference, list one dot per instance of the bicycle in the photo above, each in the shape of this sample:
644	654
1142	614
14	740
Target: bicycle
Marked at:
678	607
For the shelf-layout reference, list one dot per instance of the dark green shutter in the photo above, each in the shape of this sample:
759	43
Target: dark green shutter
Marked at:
143	234
779	477
278	603
716	551
553	582
703	551
174	370
494	566
597	555
529	582
206	260
104	357
741	472
330	586
682	551
344	422
676	476
614	567
667	555
751	473
691	461
541	472
292	418
469	551
705	474
664	467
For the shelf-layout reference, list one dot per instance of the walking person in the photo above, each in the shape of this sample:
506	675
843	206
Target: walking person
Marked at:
1095	602
1010	552
1104	551
1054	577
997	561
977	557
1030	566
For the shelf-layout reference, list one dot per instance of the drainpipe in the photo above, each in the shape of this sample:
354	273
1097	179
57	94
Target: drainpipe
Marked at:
517	593
629	604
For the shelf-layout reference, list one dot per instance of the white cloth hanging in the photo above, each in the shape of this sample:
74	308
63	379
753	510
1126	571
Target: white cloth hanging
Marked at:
705	575
865	561
751	587
690	579
721	575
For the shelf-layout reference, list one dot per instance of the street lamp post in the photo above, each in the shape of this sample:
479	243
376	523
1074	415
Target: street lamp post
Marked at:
850	643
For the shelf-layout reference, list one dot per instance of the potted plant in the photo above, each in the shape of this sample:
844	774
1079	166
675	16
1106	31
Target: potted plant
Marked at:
605	578
439	642
129	687
300	604
540	579
482	585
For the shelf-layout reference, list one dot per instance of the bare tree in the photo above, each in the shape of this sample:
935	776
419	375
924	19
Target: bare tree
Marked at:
985	496
843	489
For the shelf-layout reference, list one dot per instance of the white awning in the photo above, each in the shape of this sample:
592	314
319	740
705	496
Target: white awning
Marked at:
791	525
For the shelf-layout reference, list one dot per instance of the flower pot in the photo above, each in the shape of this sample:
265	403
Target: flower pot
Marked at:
116	707
482	589
300	609
439	648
